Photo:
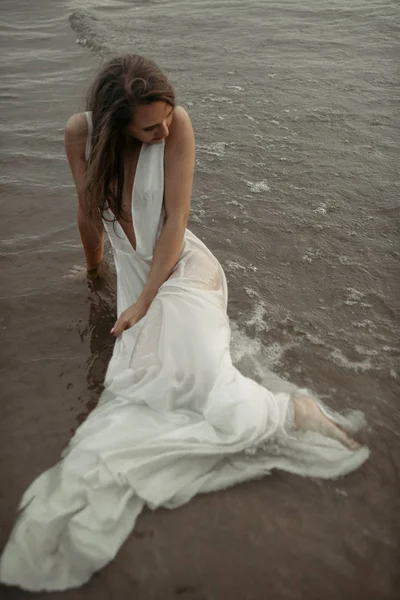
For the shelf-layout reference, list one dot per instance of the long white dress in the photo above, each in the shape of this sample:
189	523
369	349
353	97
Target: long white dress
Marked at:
175	419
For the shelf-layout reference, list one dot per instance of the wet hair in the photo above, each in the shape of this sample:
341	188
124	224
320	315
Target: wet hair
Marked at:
122	84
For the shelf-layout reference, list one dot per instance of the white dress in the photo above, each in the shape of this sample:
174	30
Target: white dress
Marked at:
175	419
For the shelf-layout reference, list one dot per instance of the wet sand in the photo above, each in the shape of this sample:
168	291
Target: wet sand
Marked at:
282	537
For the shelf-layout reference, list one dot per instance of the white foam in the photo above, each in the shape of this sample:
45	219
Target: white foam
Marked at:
218	99
257	187
366	351
339	359
256	360
311	255
354	297
242	345
256	319
295	187
341	492
214	149
234	203
194	217
233	265
390	349
321	210
250	292
365	324
197	214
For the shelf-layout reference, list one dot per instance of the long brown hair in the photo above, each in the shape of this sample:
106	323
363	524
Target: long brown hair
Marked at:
121	85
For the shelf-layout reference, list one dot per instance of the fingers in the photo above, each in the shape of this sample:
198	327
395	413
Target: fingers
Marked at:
122	323
128	318
119	326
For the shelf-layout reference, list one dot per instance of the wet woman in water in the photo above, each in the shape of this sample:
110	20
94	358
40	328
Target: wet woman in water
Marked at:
176	418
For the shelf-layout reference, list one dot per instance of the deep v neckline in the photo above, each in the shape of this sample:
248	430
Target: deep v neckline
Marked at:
132	206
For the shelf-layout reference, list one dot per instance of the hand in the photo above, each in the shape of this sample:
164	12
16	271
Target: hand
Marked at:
130	317
100	279
80	274
100	271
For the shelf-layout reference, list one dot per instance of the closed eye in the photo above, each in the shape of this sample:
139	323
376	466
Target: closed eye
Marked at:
152	127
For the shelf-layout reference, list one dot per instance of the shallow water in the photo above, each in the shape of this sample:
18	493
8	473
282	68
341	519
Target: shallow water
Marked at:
296	192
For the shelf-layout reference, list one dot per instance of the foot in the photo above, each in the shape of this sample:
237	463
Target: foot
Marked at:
309	417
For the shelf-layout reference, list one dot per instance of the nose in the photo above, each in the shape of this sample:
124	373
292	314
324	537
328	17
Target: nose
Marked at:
164	129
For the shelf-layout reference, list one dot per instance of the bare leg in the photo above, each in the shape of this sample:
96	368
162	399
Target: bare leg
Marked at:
309	417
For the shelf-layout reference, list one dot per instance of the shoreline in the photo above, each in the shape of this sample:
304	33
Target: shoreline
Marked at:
294	538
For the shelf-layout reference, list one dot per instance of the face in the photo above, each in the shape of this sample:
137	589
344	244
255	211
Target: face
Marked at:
151	122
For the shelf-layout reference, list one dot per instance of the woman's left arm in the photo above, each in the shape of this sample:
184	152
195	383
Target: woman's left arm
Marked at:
178	179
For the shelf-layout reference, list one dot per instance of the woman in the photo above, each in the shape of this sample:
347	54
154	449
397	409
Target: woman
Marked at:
175	418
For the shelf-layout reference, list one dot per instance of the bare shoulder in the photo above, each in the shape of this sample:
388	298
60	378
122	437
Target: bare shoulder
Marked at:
77	125
181	136
75	134
181	117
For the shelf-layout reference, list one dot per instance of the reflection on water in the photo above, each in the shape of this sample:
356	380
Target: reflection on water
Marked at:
101	318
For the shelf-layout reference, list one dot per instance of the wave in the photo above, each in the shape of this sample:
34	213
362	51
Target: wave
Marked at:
91	31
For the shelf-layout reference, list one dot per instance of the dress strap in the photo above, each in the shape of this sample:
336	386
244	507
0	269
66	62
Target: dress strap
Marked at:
88	148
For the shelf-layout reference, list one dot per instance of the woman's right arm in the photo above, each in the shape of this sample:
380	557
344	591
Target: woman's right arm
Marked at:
91	230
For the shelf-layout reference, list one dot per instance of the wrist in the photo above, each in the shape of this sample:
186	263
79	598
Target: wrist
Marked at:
93	271
146	298
90	266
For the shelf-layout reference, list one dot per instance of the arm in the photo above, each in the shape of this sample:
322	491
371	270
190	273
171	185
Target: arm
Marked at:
178	180
91	231
179	169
